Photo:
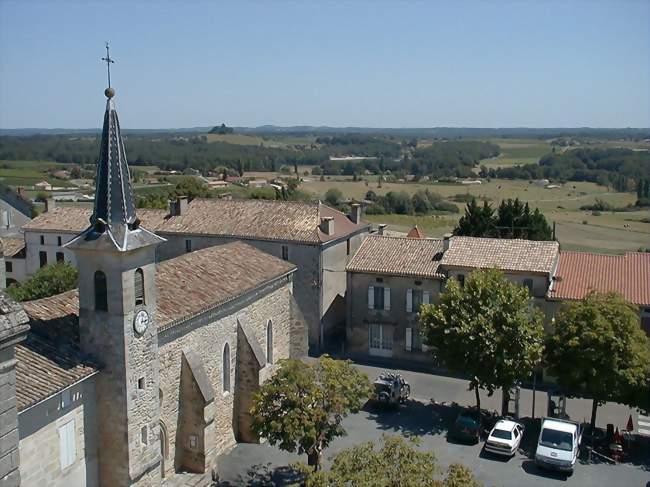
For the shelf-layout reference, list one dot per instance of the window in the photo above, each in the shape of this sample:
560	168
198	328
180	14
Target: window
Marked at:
9	266
101	298
138	287
416	298
379	297
461	279
42	239
529	284
144	437
188	245
67	445
225	364
413	341
58	241
285	252
347	243
42	257
141	383
60	258
269	342
381	340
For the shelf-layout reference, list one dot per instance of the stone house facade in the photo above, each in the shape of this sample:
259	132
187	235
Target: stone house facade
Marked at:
390	277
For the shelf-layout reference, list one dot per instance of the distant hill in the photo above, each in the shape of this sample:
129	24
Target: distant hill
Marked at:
432	132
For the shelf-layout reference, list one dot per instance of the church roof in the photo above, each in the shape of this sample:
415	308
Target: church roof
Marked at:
113	222
251	219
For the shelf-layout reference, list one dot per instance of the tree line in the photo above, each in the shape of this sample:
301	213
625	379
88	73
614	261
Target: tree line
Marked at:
512	219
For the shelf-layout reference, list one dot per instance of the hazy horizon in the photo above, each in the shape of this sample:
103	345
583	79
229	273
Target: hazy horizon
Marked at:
504	64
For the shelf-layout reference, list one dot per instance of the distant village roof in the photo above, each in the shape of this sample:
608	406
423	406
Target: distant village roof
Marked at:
415	232
399	256
254	219
12	246
581	272
504	254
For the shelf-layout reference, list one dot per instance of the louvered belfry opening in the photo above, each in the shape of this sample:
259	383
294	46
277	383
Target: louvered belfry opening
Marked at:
138	287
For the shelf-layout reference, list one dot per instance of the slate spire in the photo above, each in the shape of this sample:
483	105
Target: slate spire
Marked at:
114	221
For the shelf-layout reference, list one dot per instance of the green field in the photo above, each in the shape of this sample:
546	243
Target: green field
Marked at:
517	151
608	232
28	173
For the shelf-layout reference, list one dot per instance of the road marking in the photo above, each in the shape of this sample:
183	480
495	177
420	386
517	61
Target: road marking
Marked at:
642	431
643	423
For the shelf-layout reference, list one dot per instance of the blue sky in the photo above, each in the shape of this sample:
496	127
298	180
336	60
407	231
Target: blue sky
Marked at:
353	63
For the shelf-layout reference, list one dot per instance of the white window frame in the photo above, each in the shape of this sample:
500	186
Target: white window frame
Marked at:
67	444
385	340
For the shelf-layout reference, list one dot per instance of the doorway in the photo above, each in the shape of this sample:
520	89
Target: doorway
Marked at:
381	340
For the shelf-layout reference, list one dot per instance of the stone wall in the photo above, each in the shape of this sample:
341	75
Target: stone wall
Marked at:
40	453
207	337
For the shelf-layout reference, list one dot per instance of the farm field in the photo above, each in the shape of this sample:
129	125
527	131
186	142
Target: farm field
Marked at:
608	232
28	173
517	151
275	141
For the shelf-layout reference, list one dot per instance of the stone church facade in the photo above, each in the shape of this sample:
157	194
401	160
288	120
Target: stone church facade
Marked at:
148	370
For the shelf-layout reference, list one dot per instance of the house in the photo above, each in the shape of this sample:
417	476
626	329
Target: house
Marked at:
258	183
13	249
389	278
15	210
43	186
580	273
147	370
217	184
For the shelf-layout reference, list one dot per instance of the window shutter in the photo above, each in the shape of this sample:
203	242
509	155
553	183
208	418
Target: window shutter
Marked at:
409	339
409	300
138	287
387	298
425	297
371	297
67	445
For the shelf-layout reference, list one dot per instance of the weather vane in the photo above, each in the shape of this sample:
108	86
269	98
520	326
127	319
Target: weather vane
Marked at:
109	61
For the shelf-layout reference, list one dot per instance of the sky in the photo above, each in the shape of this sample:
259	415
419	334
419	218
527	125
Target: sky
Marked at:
521	63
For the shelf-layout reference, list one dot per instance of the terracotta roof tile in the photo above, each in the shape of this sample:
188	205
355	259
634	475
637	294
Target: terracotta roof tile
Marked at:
44	369
12	246
401	256
505	254
582	272
255	219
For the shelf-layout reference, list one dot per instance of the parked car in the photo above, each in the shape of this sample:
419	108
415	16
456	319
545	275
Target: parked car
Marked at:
391	389
505	438
559	444
468	426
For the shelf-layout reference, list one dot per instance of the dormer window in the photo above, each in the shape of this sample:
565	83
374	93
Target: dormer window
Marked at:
101	294
138	287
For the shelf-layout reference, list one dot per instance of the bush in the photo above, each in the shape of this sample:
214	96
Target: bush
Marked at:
596	213
333	196
48	281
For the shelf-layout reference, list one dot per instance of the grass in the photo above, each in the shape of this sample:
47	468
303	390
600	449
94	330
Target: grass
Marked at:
239	139
517	151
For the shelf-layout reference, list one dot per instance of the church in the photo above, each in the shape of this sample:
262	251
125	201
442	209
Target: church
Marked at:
146	372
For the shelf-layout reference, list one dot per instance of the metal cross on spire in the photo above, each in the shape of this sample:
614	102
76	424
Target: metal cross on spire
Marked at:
108	61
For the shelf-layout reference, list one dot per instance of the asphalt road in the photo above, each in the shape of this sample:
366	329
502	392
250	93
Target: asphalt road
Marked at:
263	464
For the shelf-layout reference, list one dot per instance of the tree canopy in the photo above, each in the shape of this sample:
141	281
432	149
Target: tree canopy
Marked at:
513	219
301	407
396	463
48	281
599	350
486	329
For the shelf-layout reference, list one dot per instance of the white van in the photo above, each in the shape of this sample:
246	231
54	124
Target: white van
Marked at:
558	445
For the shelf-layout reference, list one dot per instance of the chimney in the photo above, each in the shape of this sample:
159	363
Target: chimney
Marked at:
178	206
446	242
22	192
380	228
355	213
50	204
327	225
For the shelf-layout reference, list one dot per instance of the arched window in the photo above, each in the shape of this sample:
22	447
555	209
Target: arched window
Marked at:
225	364
101	298
269	342
138	287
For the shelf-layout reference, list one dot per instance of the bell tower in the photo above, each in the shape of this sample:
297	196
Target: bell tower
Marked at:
117	306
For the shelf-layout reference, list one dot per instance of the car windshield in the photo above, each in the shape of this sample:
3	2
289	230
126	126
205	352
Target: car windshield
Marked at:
381	387
556	439
467	421
503	434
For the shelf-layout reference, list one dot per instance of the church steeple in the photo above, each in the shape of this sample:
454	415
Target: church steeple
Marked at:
114	216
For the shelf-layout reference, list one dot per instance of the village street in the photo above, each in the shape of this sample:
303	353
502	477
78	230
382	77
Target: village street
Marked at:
266	465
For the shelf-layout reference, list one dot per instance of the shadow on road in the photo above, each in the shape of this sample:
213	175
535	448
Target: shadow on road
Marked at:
413	418
266	475
531	468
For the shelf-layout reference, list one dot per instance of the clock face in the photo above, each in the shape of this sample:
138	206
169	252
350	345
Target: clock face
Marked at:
141	321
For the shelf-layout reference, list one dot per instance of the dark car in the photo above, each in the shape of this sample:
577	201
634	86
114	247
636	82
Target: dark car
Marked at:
467	427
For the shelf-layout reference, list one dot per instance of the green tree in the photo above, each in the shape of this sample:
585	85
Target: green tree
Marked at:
48	281
302	406
333	196
477	221
599	350
396	463
486	329
192	188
